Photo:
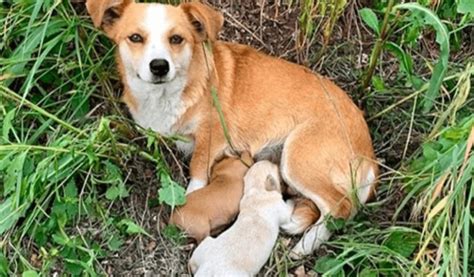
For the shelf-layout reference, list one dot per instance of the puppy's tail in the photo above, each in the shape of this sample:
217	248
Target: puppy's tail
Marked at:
304	215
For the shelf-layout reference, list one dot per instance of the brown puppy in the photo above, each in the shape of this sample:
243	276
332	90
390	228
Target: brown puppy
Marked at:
169	60
210	209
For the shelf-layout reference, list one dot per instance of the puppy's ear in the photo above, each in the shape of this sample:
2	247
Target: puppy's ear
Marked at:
206	21
105	13
271	184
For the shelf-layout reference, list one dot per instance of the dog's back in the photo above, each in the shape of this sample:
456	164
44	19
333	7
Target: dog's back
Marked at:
245	247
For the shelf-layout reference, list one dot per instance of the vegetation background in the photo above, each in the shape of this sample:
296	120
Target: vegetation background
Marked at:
83	191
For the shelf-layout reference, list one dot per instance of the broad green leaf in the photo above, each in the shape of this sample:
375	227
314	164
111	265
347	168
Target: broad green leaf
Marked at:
7	124
70	191
429	152
116	192
328	263
14	174
466	6
370	18
403	242
131	227
378	83
442	38
335	224
75	268
114	243
60	239
172	233
30	273
6	160
8	215
113	174
172	195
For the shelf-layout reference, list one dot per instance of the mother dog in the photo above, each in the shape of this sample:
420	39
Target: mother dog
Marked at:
169	58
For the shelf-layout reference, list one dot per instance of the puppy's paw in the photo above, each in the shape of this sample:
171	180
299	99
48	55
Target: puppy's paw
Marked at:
297	253
291	204
293	226
311	240
195	185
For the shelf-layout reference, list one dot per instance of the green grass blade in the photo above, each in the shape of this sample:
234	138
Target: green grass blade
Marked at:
442	38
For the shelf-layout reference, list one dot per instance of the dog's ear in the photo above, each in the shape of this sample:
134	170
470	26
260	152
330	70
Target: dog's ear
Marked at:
271	183
206	21
105	13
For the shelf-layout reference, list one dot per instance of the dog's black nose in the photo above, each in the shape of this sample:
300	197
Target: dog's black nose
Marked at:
159	67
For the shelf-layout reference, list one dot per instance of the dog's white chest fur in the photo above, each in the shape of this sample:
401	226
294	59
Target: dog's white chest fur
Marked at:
159	107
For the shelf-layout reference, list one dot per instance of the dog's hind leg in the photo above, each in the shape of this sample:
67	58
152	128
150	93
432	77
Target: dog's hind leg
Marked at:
317	162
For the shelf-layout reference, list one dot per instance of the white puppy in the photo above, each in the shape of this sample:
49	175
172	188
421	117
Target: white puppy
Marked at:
244	248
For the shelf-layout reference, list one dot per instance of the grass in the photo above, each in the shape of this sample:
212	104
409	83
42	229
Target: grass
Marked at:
83	191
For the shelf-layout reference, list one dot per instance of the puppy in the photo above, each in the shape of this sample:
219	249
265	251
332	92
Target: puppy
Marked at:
170	60
244	248
213	207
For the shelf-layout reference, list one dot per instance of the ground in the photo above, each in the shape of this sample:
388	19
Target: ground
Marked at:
80	67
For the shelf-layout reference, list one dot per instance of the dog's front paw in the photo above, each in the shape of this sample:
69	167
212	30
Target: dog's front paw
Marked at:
195	185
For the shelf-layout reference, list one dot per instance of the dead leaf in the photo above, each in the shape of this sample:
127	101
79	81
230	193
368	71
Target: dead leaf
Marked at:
439	186
441	204
300	271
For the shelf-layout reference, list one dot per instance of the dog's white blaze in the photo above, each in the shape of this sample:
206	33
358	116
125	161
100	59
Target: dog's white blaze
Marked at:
365	188
156	24
159	105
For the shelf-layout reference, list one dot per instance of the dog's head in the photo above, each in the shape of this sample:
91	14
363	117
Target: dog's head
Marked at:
263	175
155	41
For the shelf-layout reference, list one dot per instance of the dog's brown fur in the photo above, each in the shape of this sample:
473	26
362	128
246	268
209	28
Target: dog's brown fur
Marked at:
208	210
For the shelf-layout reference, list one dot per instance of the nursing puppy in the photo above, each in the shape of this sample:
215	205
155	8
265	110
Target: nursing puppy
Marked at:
213	207
244	248
169	59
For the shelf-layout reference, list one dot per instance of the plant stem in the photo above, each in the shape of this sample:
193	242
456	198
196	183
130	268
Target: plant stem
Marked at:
378	46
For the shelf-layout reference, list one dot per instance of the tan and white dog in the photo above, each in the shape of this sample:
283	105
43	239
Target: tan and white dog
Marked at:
243	249
169	58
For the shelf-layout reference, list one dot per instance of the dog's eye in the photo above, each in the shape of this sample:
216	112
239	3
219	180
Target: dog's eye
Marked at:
176	39
136	38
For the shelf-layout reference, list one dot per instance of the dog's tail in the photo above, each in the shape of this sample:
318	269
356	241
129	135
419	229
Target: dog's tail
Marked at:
304	215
